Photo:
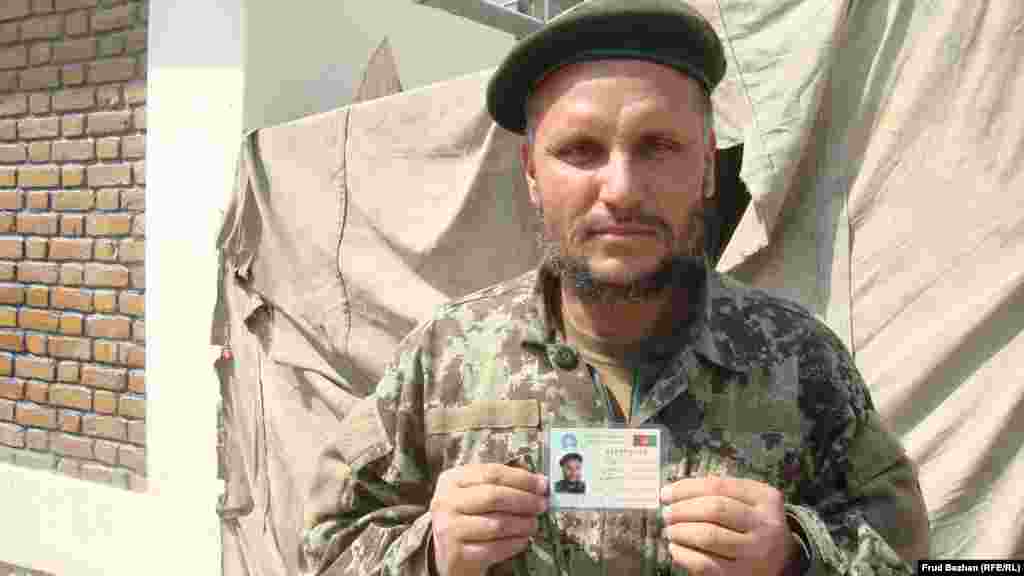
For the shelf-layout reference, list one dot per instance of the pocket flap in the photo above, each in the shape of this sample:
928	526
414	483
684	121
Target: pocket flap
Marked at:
486	414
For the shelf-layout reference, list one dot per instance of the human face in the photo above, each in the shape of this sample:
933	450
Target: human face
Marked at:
572	470
617	167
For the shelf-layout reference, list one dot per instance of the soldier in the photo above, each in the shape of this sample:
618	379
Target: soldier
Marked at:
779	463
572	474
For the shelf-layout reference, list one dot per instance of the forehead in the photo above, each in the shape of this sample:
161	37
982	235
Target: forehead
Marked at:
572	88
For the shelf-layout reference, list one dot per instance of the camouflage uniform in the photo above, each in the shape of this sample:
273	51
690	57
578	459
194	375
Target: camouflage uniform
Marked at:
754	387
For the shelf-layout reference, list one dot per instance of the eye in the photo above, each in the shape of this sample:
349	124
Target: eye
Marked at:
656	146
579	152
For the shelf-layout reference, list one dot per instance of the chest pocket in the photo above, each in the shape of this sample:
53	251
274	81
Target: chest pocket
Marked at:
752	424
492	431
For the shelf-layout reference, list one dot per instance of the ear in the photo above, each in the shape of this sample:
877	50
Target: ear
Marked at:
529	171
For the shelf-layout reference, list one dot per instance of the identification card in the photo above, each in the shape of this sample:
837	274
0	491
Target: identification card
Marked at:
607	468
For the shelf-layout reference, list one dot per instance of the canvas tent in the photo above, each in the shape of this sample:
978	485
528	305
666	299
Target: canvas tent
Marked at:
882	147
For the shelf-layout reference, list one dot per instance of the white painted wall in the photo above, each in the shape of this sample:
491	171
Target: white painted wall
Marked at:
70	527
308	57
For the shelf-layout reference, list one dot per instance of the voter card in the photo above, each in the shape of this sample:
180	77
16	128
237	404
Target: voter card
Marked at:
607	468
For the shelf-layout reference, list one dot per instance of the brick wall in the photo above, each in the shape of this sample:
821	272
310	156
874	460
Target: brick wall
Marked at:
72	281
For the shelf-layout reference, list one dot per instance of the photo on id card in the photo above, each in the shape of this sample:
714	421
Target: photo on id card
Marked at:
604	468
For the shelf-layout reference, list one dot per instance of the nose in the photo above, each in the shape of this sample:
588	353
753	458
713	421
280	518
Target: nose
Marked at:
620	183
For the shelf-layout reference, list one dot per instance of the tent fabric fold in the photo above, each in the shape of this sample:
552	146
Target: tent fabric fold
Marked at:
883	149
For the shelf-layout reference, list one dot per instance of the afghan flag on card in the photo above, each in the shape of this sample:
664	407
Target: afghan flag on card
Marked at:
645	440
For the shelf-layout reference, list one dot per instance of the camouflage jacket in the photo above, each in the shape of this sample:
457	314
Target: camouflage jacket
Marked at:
762	390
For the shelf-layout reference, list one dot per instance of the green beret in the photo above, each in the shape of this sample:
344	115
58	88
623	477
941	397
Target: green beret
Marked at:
669	32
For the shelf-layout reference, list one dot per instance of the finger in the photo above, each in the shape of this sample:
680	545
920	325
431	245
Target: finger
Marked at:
490	527
698	563
501	475
723	511
745	490
493	552
487	499
709	538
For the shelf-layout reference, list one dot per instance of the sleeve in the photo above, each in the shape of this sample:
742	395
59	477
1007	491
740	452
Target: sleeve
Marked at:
862	511
367	510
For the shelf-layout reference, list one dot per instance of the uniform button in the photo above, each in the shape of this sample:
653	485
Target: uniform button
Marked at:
564	357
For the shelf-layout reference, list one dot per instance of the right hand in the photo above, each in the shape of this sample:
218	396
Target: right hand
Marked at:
482	514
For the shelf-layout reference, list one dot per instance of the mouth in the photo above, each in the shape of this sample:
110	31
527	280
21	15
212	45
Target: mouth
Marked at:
624	231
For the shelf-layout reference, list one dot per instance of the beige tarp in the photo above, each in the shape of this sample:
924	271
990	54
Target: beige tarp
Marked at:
883	145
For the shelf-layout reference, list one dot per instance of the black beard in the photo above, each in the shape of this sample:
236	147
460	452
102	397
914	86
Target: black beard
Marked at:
681	269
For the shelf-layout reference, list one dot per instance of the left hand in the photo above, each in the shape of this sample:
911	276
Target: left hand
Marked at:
722	526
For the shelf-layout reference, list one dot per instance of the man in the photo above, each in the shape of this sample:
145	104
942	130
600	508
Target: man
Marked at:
572	474
779	463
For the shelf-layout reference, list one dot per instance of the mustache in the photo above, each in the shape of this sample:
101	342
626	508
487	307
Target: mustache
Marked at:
597	222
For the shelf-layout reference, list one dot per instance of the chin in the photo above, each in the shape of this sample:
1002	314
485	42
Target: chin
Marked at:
624	272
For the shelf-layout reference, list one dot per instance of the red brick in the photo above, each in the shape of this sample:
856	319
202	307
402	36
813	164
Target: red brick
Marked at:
12	435
42	320
108	148
98	473
109	175
71	445
69	396
13	105
11	9
13	57
105	351
136	381
35	367
13	341
39	128
133	355
105	250
39	152
40	224
7	410
71	249
101	377
100	123
107	275
104	402
106	452
68	347
78	50
31	414
8	177
114	19
77	23
133	304
6	365
11	248
38	272
7	221
37	200
75	99
112	70
8	316
47	176
73	150
133	200
110	427
71	324
106	301
40	54
65	5
108	199
109	96
42	28
72	176
10	199
69	421
13	153
37	392
67	371
72	225
72	299
38	296
137	431
132	457
35	247
36	344
37	440
40	78
117	327
42	6
71	274
12	388
138	277
12	294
